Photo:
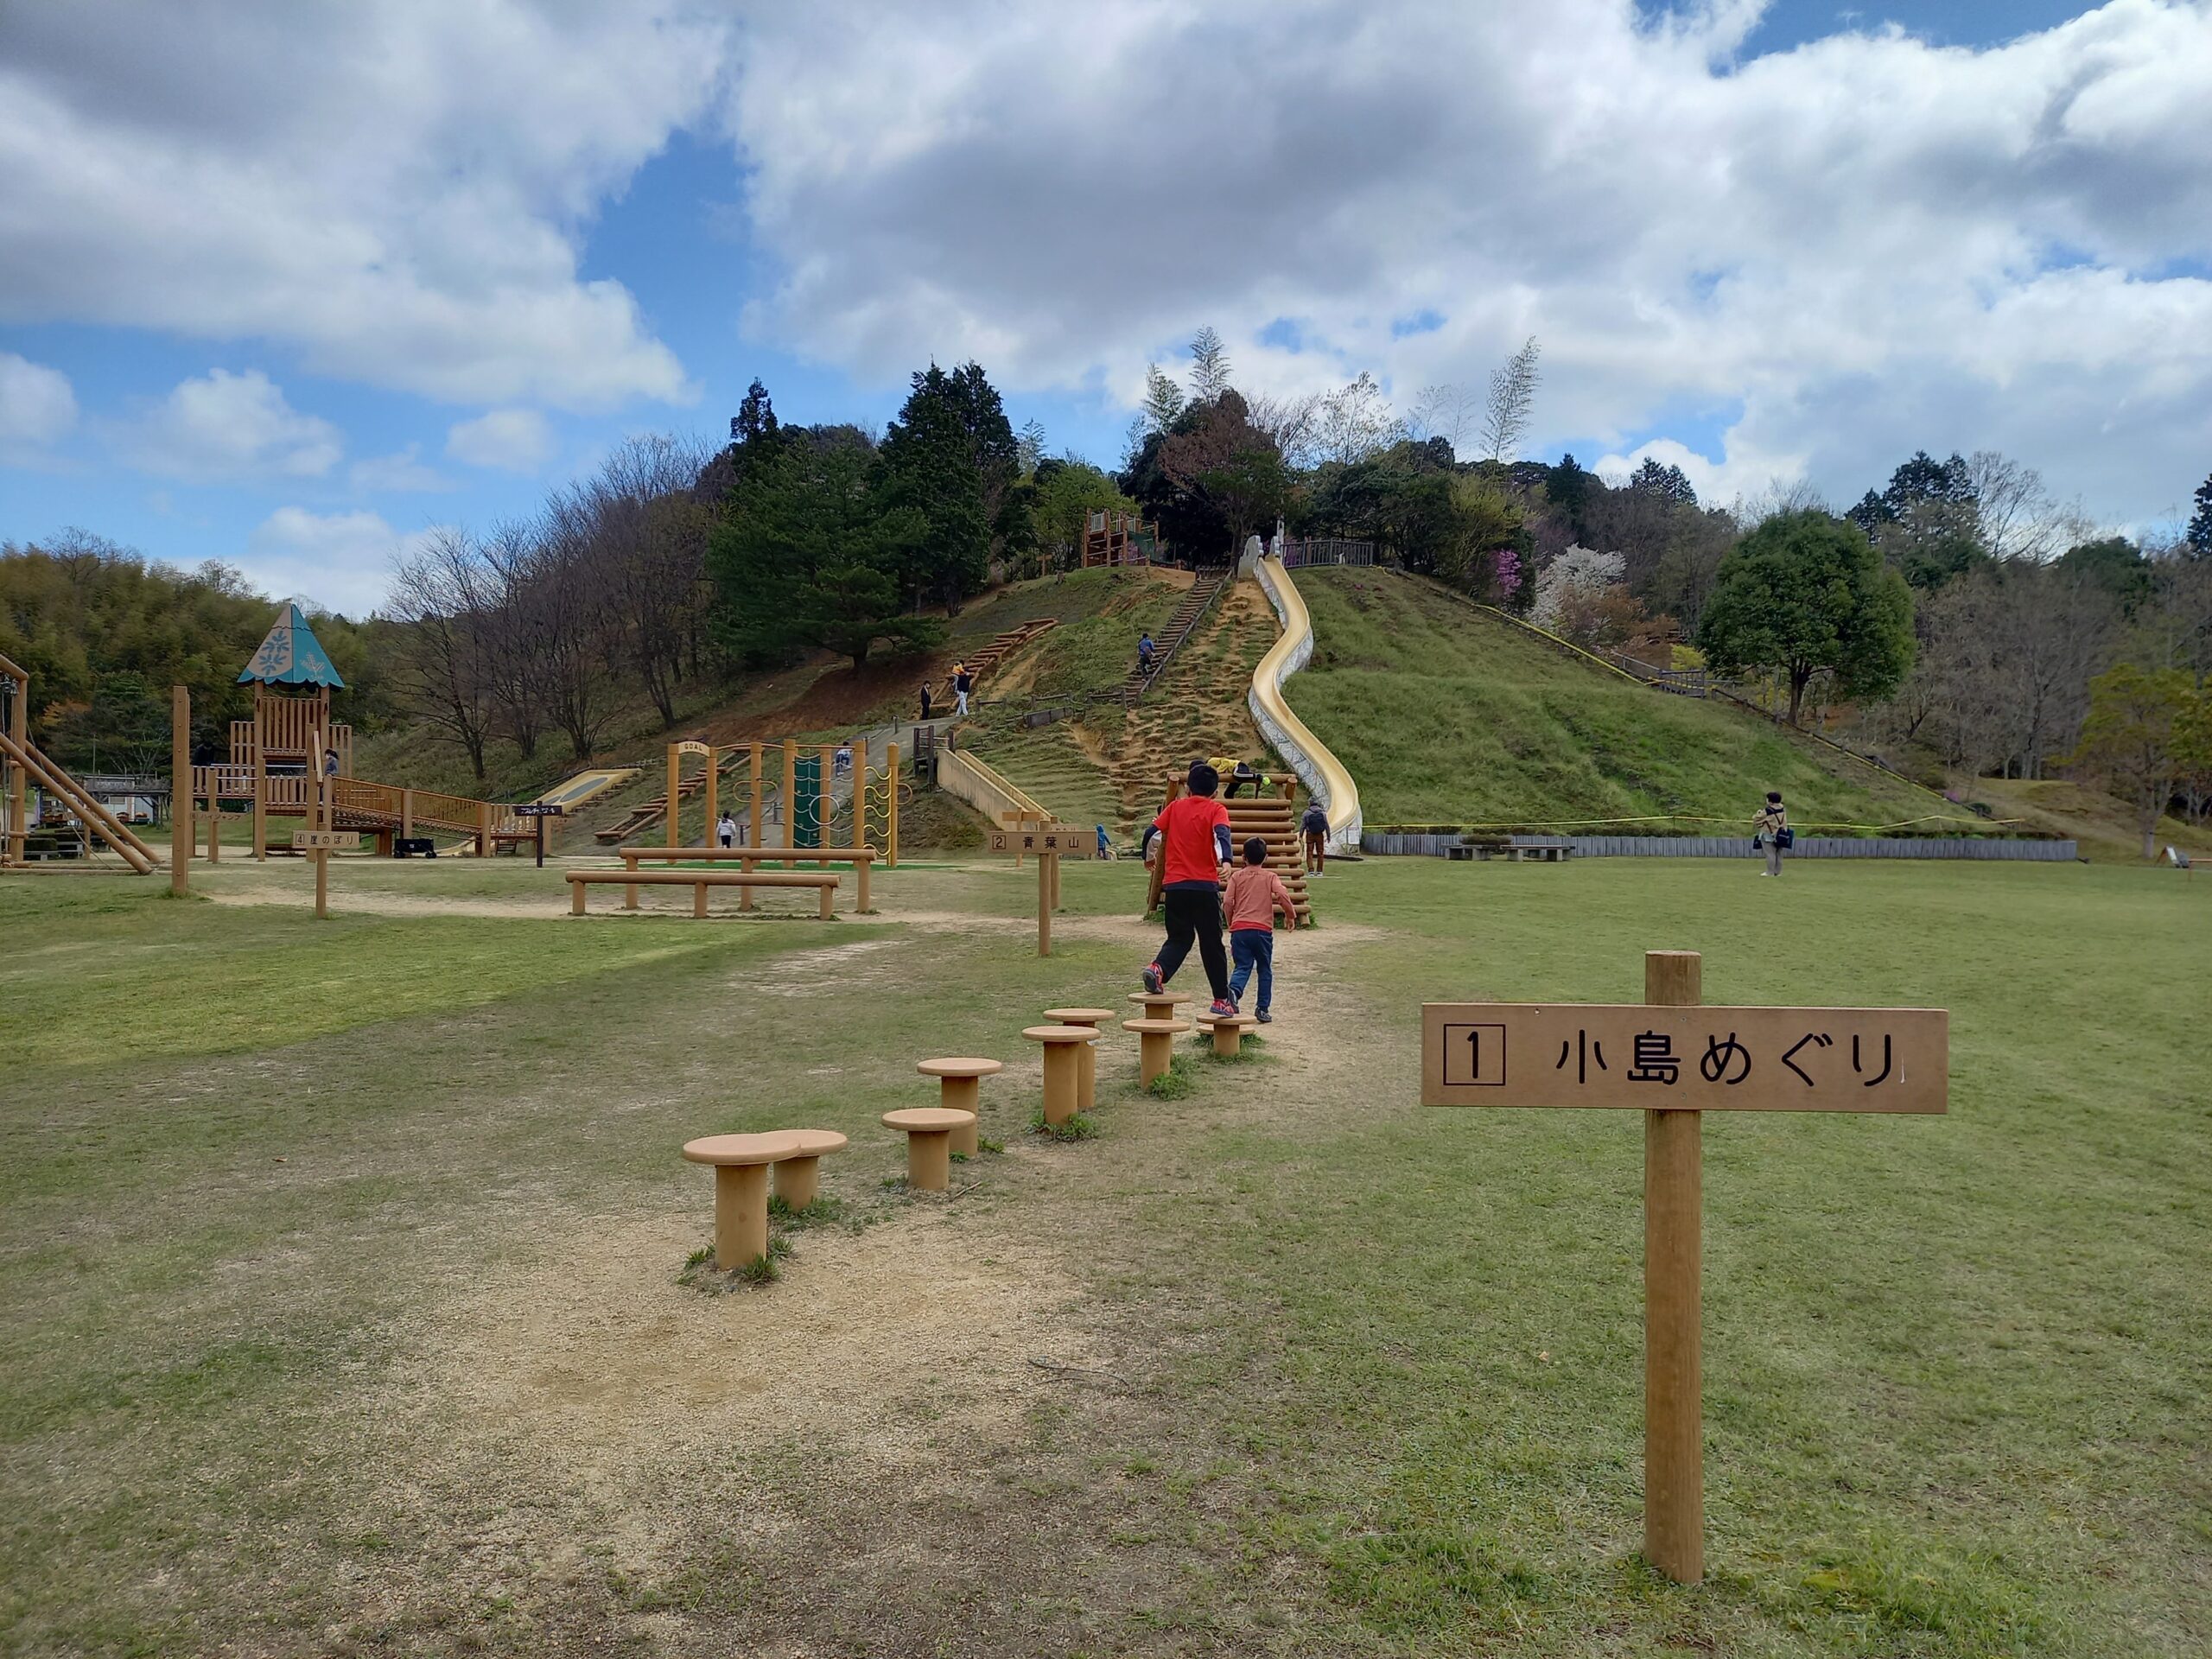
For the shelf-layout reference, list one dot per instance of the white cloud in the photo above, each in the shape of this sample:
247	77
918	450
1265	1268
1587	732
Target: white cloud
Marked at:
342	561
400	473
1868	244
226	426
513	440
399	191
36	405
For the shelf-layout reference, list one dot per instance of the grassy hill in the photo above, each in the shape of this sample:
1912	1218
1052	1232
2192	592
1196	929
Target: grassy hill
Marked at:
1445	714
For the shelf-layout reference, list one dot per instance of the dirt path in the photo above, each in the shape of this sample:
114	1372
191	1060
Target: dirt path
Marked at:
910	1424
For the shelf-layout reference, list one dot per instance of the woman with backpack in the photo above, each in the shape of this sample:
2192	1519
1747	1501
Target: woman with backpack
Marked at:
1771	829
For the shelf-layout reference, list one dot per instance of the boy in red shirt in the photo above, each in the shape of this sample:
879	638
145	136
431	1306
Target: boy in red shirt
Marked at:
1193	832
1255	892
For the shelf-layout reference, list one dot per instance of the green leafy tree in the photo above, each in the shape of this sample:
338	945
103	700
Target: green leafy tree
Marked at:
810	555
1227	467
2139	738
947	460
2116	565
2193	752
1805	594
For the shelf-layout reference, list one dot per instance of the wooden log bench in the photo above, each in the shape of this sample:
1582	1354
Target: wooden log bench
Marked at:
862	858
699	882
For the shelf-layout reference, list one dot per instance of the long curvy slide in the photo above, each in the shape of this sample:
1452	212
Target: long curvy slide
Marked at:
1322	774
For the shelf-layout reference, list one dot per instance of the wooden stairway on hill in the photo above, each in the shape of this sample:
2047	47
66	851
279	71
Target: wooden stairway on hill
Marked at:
1196	603
981	663
1274	818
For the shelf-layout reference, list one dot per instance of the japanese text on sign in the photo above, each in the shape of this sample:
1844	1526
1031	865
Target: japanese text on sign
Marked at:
1685	1058
1068	840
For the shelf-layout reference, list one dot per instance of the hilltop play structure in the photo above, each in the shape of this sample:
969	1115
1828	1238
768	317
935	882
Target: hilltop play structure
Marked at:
1118	539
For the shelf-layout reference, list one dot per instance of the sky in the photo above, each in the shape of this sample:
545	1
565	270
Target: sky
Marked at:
287	287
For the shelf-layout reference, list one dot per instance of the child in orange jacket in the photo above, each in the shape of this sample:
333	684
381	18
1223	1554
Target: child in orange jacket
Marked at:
1255	892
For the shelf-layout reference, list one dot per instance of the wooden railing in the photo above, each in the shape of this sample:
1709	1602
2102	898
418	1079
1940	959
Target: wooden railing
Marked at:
289	730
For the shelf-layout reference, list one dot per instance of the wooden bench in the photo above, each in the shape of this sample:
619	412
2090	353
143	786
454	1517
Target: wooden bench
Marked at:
862	858
1517	849
699	882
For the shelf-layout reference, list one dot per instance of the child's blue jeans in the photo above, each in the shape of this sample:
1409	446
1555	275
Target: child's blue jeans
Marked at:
1253	948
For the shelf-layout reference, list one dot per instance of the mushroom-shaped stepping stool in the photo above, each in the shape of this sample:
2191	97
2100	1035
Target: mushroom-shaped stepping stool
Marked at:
1228	1031
961	1090
929	1131
1086	1075
798	1173
741	1165
1063	1045
1155	1045
1158	1005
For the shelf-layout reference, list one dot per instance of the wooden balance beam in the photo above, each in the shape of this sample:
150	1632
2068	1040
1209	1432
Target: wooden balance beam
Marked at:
699	882
862	858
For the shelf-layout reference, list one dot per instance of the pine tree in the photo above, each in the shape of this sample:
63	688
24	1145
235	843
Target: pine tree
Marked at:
1208	366
2198	538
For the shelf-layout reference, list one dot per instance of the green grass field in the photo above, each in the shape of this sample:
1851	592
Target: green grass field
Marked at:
343	1316
1446	715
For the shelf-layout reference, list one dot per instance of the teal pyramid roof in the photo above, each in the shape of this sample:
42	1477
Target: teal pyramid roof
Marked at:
291	655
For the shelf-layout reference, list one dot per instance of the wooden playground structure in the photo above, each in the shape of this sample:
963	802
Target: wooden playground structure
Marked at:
23	764
1118	539
291	745
811	779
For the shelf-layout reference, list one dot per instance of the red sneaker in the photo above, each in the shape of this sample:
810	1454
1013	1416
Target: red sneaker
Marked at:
1153	982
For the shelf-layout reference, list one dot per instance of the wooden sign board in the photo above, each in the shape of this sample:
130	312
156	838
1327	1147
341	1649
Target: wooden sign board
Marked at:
540	810
1066	840
692	746
324	841
1708	1059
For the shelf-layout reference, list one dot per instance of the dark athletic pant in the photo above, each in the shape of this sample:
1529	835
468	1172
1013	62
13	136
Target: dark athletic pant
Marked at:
1194	913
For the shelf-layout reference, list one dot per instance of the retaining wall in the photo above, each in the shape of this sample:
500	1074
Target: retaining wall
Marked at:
1964	847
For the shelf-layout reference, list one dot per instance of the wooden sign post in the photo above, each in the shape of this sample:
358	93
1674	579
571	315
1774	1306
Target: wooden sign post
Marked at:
182	840
317	844
1677	1060
542	811
1051	842
676	753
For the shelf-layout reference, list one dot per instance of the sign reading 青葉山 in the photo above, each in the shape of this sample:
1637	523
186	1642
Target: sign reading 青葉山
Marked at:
1068	840
1674	1058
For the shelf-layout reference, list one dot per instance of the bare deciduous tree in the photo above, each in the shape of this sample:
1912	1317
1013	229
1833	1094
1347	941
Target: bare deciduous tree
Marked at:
440	593
1512	401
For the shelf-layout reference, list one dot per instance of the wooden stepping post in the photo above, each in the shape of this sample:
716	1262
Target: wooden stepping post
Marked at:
961	1090
1062	1066
929	1132
1155	1045
1228	1033
1158	1005
741	1165
1086	1076
798	1173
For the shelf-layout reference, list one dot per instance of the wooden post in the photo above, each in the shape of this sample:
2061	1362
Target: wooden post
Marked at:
791	800
260	784
18	803
483	828
713	799
1053	859
675	778
319	818
825	801
891	806
214	822
1044	904
180	802
861	903
407	813
759	797
741	1214
1673	1474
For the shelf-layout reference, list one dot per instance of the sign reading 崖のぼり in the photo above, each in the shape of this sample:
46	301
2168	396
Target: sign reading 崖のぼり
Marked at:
1685	1058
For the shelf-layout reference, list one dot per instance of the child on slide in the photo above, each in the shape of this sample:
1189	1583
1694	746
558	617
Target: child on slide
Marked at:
1192	835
